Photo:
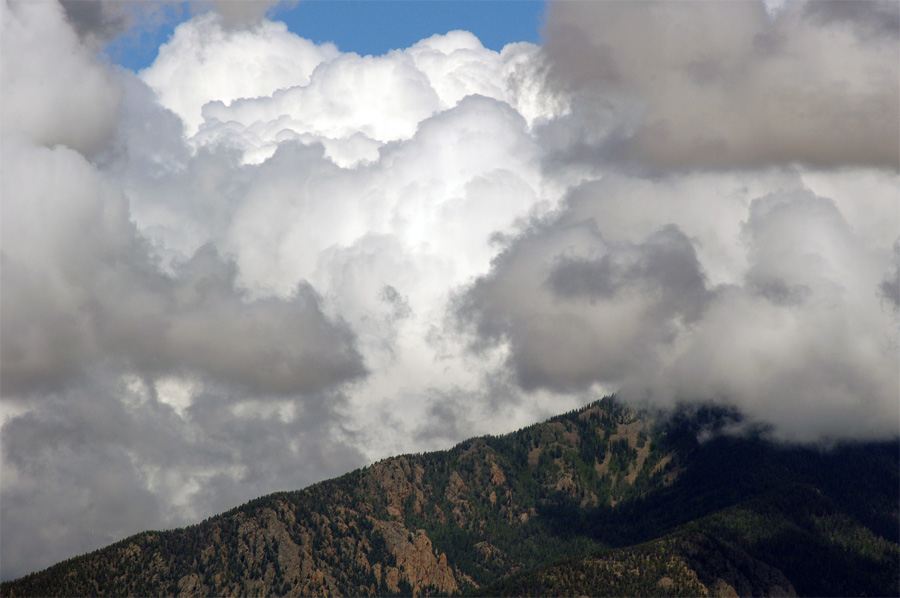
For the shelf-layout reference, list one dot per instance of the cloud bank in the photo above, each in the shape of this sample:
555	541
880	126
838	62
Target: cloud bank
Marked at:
262	262
730	86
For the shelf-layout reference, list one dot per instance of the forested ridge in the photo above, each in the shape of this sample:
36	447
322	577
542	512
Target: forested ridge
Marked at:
603	500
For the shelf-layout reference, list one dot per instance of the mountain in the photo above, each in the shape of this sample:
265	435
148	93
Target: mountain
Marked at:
792	541
603	500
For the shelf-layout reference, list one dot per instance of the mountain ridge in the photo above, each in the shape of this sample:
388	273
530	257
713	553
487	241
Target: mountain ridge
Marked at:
493	512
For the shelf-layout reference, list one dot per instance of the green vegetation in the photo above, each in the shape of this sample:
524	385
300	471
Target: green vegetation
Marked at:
598	501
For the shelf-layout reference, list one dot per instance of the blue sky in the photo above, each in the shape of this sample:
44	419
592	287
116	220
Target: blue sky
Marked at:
364	27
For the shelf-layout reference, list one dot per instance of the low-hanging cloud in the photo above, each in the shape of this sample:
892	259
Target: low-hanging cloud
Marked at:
802	340
261	262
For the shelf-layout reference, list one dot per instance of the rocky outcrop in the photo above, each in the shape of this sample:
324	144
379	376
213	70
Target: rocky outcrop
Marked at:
455	493
399	480
416	560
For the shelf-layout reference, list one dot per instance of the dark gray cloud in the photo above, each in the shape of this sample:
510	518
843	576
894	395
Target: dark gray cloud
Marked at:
92	293
875	17
98	22
799	338
237	14
578	310
665	264
890	286
724	84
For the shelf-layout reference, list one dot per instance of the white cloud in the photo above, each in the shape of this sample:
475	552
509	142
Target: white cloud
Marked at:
204	62
354	105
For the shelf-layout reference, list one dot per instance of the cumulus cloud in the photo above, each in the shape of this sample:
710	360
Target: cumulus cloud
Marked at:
85	289
54	92
261	262
579	311
98	22
798	335
351	104
720	86
205	61
229	310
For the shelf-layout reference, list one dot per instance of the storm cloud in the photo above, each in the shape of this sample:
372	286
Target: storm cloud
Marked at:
84	289
261	262
731	85
798	336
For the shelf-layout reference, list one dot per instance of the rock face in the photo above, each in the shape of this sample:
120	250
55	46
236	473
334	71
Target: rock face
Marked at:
639	504
398	480
416	560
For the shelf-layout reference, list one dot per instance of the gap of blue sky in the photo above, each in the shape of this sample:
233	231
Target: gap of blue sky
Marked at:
365	27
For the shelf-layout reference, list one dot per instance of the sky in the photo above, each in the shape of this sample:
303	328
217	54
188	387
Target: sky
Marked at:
245	247
361	26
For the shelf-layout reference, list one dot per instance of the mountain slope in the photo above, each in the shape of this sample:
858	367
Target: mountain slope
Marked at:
592	490
786	542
